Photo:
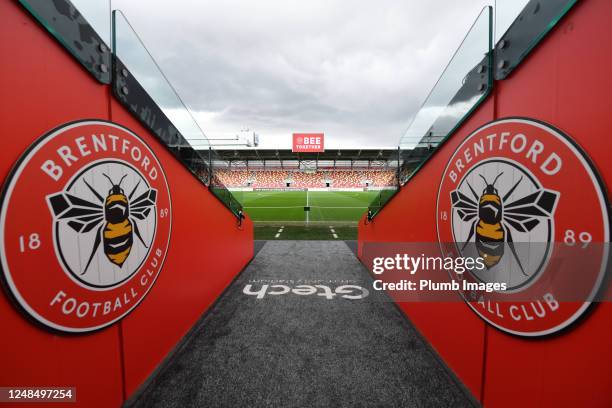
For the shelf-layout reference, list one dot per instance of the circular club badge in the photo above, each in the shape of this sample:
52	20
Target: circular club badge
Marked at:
85	225
521	196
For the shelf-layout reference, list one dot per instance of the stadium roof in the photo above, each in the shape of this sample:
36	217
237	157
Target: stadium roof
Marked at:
331	154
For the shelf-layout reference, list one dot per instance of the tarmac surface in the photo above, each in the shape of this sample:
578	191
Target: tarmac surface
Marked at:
275	349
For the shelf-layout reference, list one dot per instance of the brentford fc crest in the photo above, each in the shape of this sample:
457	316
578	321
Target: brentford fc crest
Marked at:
85	226
522	196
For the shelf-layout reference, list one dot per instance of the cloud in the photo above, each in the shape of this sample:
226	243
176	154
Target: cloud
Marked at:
356	70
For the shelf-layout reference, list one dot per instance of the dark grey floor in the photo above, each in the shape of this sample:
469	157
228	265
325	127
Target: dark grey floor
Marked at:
304	351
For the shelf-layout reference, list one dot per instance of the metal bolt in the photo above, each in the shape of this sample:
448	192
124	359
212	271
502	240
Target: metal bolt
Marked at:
102	48
502	44
124	72
103	68
124	90
502	64
480	69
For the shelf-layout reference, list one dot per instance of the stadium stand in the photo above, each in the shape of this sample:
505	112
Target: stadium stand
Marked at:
301	179
307	180
336	169
235	178
266	179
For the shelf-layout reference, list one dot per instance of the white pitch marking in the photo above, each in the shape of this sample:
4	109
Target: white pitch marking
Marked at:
277	235
331	229
296	206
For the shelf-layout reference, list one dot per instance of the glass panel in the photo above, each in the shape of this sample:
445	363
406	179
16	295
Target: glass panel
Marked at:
521	24
98	15
464	84
192	147
380	200
218	188
128	47
96	12
82	27
197	162
506	11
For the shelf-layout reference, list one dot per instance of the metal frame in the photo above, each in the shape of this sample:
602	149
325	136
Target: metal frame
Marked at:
535	21
478	81
128	91
66	24
62	19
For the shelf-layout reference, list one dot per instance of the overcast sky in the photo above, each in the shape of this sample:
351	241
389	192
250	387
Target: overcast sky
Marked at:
356	70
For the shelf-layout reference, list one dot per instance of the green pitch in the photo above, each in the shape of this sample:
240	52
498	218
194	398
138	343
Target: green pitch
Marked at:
333	215
325	206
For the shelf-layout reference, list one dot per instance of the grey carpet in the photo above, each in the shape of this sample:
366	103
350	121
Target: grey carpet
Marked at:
352	246
304	351
257	245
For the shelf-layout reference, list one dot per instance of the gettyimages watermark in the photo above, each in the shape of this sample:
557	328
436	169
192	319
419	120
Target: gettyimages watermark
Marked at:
519	271
523	288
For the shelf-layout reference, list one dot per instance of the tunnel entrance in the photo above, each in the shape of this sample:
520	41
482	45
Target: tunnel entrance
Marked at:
317	336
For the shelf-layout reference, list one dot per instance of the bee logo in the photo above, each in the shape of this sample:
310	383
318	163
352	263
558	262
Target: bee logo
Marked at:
85	225
118	229
493	218
523	196
114	218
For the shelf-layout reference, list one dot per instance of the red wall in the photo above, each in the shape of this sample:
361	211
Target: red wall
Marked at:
43	87
565	81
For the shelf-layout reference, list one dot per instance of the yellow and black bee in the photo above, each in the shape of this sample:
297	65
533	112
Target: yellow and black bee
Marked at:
494	218
115	216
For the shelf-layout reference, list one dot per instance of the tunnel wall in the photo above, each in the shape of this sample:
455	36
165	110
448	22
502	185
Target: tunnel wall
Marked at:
566	82
43	87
